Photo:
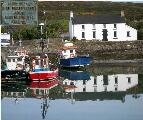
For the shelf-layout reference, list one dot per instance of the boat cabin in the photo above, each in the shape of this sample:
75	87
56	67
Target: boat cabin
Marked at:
15	62
22	52
40	64
68	50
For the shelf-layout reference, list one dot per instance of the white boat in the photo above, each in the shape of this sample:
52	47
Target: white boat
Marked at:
15	62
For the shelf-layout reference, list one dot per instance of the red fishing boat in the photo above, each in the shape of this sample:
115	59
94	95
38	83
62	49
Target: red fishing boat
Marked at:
42	70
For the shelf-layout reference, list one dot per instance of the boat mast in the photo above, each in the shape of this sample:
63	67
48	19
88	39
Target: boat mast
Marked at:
42	42
45	104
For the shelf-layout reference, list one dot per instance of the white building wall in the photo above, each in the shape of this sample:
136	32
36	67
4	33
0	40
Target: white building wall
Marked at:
89	86
123	83
121	29
133	33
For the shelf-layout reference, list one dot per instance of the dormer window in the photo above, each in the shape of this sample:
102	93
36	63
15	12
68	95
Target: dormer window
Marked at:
83	27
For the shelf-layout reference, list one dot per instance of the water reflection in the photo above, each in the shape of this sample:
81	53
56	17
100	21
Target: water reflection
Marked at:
40	89
120	86
99	87
13	89
100	83
35	89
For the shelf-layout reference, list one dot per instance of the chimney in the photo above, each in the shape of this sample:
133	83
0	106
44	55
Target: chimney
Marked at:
71	14
122	13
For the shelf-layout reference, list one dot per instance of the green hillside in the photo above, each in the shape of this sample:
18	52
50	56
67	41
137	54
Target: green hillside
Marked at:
57	15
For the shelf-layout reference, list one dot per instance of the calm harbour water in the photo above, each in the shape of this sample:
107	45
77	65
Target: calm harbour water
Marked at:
103	93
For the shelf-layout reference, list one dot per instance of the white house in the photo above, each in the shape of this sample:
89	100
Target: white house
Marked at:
100	27
101	83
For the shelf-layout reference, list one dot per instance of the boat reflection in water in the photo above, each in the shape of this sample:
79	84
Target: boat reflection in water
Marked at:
96	94
40	89
35	89
100	87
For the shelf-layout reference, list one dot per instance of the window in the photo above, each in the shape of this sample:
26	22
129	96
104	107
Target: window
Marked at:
71	51
65	83
83	27
105	88
95	81
84	82
129	80
9	60
41	62
116	88
94	26
115	33
13	60
37	91
105	79
45	62
104	25
94	34
116	80
95	89
128	33
19	59
83	34
36	62
71	83
84	89
115	25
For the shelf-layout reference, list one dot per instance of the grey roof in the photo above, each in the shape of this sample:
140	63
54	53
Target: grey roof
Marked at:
98	19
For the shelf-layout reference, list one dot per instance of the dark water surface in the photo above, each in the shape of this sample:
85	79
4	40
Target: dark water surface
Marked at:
102	93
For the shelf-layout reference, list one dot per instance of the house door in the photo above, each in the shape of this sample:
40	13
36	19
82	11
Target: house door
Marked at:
105	35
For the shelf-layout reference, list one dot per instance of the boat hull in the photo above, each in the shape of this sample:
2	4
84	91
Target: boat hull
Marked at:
14	75
43	84
75	75
76	61
43	75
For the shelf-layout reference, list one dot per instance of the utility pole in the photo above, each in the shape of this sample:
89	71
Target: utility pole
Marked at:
42	42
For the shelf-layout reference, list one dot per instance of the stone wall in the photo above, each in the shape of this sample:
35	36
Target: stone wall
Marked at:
112	50
97	49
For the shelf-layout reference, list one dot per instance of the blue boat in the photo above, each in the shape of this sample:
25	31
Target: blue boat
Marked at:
75	75
69	57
